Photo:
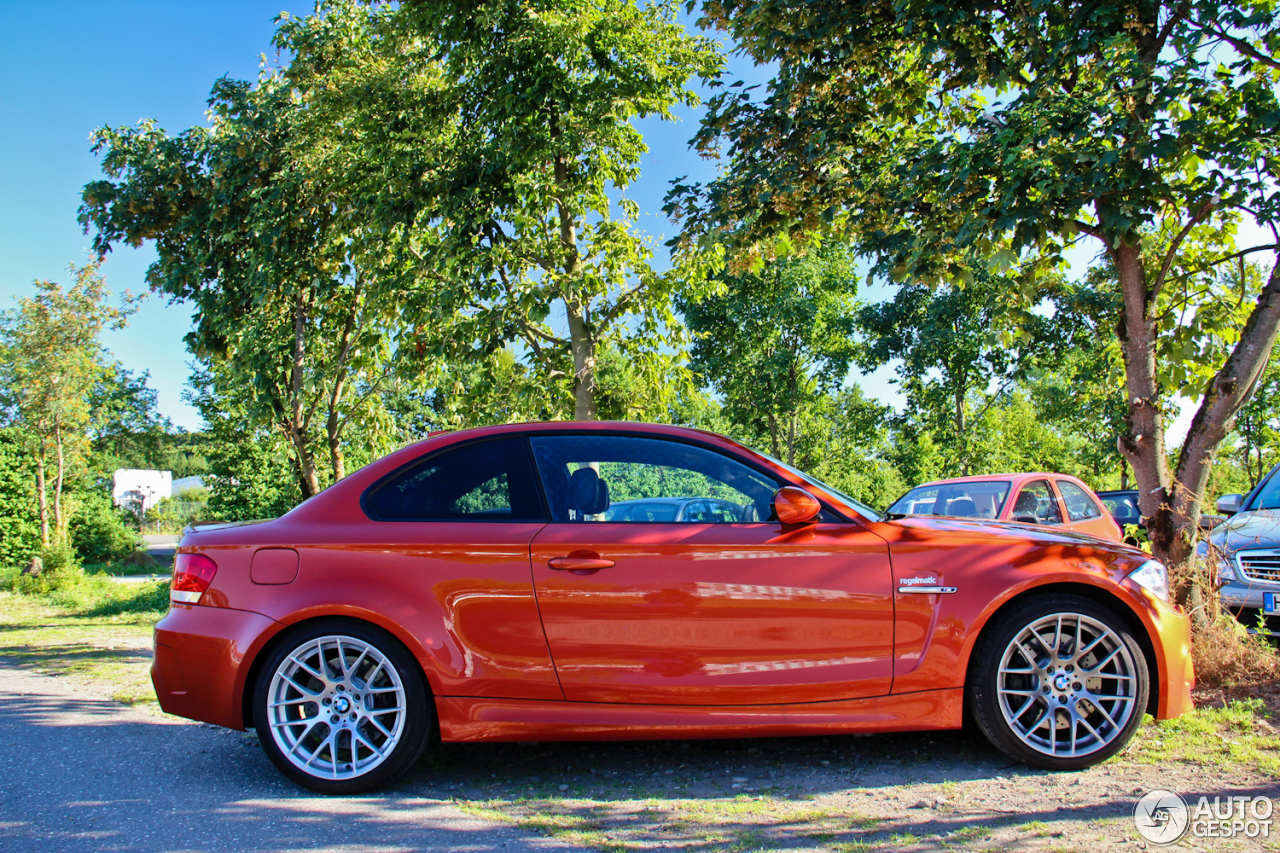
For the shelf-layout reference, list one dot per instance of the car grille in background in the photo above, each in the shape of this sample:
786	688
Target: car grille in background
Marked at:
1263	566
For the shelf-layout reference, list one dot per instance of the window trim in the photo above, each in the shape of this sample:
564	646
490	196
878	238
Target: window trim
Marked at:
425	459
837	517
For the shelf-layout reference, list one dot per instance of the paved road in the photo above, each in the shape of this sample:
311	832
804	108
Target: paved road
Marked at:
79	773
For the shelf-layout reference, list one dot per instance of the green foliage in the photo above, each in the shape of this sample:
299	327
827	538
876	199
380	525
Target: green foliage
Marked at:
774	343
494	146
959	350
249	231
50	362
61	568
19	525
100	532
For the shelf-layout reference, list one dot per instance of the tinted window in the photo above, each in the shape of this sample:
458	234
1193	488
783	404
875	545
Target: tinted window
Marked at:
624	479
1079	505
1037	504
484	481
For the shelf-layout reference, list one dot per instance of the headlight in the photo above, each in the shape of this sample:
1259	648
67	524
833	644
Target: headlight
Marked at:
1153	577
1218	561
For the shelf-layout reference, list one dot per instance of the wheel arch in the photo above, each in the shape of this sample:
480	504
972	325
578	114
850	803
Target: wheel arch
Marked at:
264	651
1096	594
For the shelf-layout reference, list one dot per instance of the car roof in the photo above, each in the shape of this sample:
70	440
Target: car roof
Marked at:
986	478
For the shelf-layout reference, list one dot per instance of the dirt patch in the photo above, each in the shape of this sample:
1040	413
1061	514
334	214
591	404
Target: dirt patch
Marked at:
930	791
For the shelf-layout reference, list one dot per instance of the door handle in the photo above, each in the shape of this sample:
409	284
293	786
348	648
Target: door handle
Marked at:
579	564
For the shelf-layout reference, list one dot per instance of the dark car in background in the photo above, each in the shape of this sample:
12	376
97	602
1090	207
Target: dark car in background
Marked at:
1245	551
1123	506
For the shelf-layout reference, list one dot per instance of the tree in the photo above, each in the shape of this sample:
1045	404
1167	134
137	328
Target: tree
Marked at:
50	362
125	425
493	142
939	133
1258	426
774	343
247	228
960	350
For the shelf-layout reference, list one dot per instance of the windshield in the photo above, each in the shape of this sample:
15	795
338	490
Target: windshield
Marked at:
978	499
1268	497
861	508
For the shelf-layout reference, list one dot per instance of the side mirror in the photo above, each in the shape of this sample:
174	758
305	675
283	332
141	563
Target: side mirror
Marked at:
1229	504
794	505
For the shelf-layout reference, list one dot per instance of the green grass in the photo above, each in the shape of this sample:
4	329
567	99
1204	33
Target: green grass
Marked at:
1239	734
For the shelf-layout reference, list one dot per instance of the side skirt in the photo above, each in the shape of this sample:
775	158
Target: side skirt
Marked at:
464	718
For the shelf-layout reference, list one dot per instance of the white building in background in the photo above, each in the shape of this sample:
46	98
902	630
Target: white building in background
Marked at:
139	489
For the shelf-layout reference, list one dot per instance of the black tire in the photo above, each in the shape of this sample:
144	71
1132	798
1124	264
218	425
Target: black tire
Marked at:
347	697
1045	703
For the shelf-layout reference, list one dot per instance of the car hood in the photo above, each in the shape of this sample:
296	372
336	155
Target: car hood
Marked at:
1260	528
1031	533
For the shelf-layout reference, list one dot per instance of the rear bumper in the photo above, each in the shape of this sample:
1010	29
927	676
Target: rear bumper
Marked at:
201	662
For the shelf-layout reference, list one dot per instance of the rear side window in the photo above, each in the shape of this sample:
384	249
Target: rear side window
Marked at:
1079	505
484	481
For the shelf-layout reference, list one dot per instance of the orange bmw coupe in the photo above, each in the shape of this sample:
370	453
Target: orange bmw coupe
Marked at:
562	581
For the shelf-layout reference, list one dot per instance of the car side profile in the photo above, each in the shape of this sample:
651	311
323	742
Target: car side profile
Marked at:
1053	500
481	586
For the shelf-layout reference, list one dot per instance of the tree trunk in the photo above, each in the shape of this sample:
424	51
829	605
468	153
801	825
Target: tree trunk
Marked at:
962	431
582	344
1171	500
42	497
298	421
59	523
1227	393
774	444
791	440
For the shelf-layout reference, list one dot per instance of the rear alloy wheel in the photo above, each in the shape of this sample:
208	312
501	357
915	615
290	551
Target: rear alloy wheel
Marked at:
1059	683
341	708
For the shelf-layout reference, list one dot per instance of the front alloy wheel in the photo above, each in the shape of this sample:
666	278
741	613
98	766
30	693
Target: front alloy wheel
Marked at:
1059	683
341	708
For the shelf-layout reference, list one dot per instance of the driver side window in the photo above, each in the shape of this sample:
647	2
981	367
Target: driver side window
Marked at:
595	478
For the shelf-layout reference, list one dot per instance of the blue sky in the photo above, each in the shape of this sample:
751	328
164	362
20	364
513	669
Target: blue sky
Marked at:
69	66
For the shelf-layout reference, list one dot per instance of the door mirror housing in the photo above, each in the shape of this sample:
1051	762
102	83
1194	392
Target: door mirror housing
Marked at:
793	505
1229	504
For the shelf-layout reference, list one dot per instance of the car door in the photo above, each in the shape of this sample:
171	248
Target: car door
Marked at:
701	612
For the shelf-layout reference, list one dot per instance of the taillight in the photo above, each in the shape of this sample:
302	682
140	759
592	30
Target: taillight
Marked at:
192	574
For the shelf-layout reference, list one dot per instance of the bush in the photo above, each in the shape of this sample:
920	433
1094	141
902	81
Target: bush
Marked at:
19	518
99	531
61	568
1225	654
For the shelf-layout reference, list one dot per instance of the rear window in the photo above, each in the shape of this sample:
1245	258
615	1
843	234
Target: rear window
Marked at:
484	481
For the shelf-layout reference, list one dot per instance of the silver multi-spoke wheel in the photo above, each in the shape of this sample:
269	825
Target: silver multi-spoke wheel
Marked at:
1058	681
337	707
1067	685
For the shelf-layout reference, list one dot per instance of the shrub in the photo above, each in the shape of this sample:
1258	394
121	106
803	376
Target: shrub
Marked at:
1225	654
61	568
99	531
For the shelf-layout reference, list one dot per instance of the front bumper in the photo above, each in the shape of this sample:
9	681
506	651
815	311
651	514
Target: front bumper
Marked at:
199	670
1172	643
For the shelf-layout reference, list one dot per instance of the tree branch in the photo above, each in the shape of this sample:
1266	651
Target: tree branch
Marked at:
1195	220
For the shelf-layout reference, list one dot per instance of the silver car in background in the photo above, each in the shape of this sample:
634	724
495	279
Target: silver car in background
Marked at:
1246	552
